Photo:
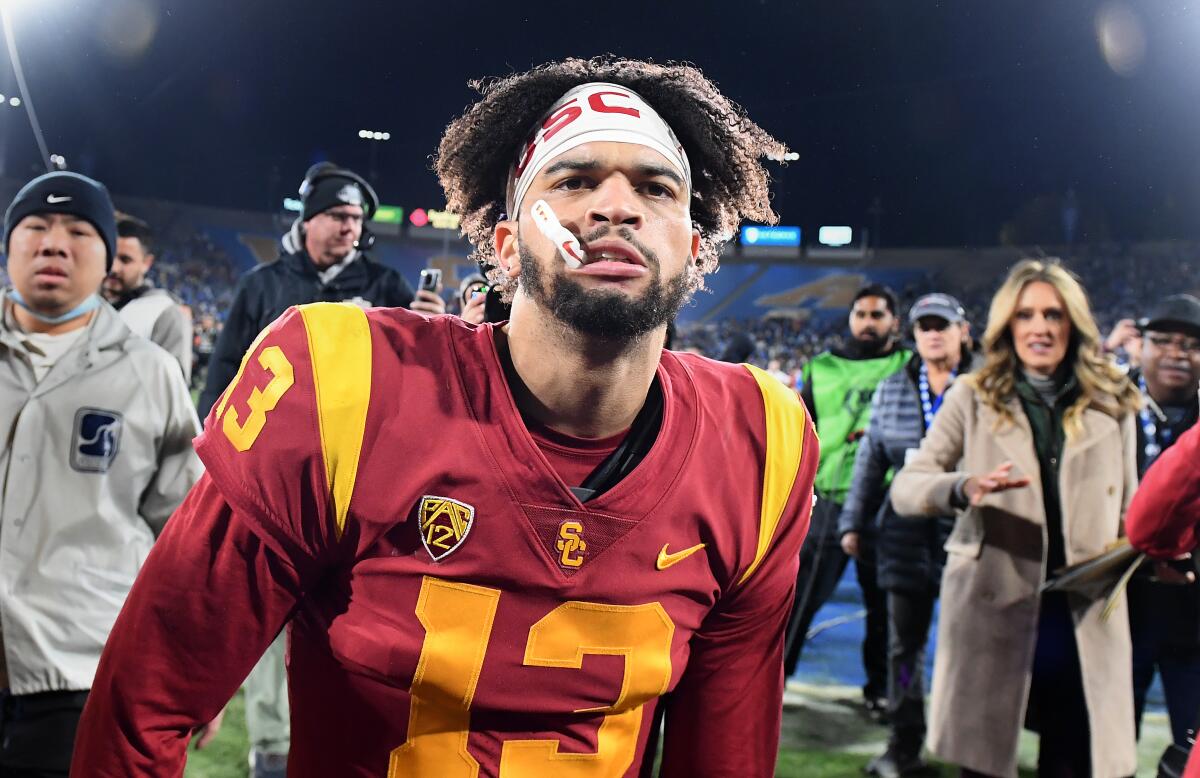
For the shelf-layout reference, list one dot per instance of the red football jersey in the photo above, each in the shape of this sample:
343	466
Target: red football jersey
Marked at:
456	611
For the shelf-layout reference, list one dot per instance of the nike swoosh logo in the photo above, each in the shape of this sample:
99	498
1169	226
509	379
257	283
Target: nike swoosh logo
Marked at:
56	199
665	560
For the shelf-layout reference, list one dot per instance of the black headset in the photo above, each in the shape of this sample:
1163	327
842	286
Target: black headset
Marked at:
323	170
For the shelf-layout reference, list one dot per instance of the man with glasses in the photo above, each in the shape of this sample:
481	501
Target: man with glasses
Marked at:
1165	619
838	387
324	261
327	264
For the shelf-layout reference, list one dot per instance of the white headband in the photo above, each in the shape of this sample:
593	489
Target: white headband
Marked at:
593	112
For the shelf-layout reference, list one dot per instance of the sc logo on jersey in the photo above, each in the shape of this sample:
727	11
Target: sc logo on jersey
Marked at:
570	544
95	439
444	524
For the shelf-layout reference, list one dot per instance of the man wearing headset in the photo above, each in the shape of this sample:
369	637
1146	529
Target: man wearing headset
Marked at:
323	260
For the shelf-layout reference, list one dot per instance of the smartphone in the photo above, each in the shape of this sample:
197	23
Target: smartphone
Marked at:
431	279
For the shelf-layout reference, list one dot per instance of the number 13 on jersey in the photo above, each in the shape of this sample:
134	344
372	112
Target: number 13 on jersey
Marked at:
243	433
458	624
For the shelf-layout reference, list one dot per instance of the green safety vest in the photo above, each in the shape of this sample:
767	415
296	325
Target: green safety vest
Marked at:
842	390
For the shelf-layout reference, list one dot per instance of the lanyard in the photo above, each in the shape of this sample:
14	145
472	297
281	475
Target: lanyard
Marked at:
930	406
1150	428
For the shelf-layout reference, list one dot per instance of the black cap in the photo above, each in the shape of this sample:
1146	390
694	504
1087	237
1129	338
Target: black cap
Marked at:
1177	312
328	186
69	193
940	305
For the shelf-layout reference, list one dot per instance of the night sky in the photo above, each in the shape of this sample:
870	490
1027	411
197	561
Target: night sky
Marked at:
959	117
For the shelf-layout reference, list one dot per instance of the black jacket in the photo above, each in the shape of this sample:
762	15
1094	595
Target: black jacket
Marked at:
268	290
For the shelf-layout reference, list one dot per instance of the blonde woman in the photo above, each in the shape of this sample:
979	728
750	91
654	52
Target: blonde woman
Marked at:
1036	453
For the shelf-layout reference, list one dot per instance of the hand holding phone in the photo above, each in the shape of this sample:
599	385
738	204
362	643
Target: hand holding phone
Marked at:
431	280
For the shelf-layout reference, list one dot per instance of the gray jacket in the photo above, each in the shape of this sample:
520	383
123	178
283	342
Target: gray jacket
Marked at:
94	460
159	317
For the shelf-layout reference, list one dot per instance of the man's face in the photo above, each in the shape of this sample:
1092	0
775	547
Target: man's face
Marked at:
128	270
1171	363
331	235
55	261
938	339
630	211
870	320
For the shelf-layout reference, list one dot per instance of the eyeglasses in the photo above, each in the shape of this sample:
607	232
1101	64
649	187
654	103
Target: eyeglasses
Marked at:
932	325
344	218
1189	346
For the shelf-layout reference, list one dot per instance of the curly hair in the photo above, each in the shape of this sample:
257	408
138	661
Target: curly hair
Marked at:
725	149
1103	386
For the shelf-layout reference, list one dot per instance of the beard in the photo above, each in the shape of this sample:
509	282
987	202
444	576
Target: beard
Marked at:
599	313
872	342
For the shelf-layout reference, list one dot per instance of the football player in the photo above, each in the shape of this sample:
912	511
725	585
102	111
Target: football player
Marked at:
500	550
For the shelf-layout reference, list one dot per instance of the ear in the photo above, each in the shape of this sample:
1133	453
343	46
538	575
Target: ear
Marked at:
695	245
507	248
149	260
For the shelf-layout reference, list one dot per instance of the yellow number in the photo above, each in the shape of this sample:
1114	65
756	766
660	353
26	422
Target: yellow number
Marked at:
639	633
458	624
445	536
261	401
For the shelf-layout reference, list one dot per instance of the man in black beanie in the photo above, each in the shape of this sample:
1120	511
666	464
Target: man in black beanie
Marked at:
323	261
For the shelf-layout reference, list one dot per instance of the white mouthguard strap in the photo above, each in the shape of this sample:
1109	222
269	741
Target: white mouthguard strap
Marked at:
560	236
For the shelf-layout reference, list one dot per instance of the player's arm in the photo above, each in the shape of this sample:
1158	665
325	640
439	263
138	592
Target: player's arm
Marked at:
1165	511
207	603
724	716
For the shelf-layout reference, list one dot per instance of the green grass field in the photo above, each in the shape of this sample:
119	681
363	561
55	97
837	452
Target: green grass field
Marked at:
825	735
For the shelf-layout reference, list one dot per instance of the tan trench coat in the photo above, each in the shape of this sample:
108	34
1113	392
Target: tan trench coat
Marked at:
989	611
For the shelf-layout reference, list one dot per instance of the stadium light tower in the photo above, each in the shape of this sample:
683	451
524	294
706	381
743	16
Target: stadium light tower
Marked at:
10	38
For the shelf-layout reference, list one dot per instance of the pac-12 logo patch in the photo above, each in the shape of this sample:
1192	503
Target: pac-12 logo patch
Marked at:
95	439
444	524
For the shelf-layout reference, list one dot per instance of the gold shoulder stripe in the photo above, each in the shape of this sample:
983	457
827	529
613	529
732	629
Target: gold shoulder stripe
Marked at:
785	445
339	344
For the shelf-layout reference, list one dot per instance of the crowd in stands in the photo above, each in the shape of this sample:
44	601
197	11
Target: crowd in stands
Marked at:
1119	278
